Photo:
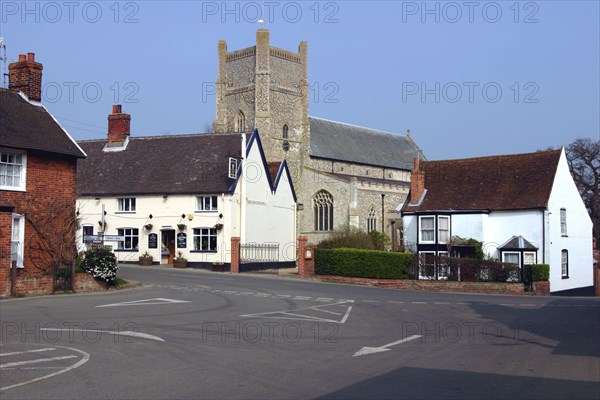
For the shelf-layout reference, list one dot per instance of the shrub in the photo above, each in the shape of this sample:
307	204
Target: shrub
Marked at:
362	263
349	237
101	263
536	272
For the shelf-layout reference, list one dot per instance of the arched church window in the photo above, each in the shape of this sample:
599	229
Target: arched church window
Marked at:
240	123
323	209
372	220
285	134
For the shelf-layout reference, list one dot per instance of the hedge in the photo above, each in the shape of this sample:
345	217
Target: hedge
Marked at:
363	263
536	272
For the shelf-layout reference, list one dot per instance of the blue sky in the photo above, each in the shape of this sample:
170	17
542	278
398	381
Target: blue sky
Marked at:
467	78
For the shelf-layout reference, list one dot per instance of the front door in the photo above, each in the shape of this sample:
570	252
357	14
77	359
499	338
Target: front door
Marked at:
168	241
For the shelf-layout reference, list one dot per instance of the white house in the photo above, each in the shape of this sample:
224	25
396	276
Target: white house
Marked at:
184	193
525	208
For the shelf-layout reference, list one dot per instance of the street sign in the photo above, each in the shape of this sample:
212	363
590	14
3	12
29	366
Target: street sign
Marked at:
92	238
114	238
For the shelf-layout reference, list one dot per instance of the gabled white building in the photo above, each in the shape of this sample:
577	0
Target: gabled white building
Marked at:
186	193
525	208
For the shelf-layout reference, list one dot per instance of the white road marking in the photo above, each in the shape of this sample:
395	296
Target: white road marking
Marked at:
78	364
418	302
39	360
371	350
396	302
372	301
14	353
283	296
441	302
121	333
146	302
295	314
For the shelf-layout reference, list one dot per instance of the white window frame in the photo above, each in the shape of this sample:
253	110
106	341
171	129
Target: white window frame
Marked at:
421	218
198	233
134	234
17	244
83	227
439	230
23	173
564	263
213	203
563	222
529	253
426	277
126	205
504	253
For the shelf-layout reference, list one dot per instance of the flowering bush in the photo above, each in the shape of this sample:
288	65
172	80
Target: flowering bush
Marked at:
101	263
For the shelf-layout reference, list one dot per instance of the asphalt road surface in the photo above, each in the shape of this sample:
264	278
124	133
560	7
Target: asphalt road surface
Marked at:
197	334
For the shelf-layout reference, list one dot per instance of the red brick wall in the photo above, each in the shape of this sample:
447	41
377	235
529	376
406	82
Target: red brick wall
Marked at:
235	255
25	76
86	283
433	286
50	190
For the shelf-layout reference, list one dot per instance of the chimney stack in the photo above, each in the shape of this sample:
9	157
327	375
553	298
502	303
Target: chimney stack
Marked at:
25	76
118	126
417	182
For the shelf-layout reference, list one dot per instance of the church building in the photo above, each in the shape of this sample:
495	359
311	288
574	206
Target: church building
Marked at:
343	174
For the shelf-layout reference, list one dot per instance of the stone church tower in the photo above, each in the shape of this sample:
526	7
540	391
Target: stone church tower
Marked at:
342	174
266	88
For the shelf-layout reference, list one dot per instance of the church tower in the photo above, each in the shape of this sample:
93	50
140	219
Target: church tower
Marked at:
265	87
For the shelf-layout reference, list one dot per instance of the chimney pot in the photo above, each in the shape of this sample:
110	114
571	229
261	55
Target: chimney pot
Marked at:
117	109
30	56
22	57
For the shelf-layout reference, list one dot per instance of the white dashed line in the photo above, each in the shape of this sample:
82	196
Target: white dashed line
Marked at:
39	360
14	353
372	301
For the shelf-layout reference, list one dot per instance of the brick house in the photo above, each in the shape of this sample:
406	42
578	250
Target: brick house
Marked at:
38	162
524	208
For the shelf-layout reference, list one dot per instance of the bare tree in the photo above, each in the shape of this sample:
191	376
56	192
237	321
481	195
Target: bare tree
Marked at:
584	162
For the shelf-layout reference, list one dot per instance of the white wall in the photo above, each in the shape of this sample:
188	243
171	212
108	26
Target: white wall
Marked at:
270	217
502	225
578	241
166	214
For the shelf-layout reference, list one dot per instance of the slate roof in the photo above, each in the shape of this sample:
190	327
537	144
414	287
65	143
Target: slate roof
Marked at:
182	164
518	243
507	182
29	126
344	142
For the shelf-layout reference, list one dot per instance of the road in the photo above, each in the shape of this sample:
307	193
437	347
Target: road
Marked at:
198	334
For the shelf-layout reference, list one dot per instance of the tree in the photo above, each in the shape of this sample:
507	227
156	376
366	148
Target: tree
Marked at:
583	156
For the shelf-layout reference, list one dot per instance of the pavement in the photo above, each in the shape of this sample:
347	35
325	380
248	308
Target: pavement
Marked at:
200	334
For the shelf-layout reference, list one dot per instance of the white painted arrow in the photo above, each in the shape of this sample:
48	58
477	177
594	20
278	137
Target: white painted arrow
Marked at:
371	350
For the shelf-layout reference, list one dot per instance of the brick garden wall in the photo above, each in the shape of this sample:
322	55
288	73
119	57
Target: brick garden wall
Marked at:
433	286
50	187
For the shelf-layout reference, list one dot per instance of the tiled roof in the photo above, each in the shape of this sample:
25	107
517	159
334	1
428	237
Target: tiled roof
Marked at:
29	126
159	165
507	182
343	142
